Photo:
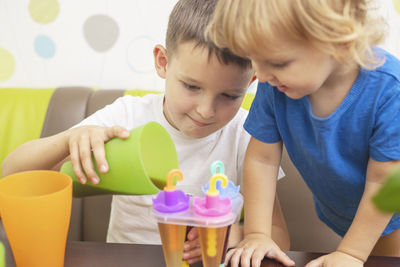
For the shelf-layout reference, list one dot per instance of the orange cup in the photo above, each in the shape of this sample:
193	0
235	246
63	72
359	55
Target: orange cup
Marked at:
35	207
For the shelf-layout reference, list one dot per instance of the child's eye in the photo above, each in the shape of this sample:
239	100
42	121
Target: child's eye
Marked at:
279	65
230	97
190	87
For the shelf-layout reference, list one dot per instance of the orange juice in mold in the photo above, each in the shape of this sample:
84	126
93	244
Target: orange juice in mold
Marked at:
171	201
212	215
213	239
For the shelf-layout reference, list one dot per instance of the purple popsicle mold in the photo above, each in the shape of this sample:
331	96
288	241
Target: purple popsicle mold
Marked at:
171	201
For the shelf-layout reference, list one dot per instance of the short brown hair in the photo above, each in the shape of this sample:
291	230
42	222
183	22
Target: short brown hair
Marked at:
188	22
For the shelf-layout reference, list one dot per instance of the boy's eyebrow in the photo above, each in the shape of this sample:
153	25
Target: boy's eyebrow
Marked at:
190	79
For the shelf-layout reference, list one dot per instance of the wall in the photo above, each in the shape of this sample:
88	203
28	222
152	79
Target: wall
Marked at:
100	43
390	10
97	43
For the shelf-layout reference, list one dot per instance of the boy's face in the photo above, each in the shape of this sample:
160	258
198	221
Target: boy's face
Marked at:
295	69
202	95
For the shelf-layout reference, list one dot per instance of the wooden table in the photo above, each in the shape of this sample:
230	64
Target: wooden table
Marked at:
96	254
302	258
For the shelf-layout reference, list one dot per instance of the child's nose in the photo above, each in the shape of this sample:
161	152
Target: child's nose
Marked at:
206	109
264	77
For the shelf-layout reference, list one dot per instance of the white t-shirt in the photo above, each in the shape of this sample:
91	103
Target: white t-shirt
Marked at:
131	220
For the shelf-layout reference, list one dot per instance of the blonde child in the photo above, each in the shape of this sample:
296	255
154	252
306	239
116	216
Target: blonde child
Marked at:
333	100
204	88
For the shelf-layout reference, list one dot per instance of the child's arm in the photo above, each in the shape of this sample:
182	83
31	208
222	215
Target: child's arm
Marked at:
259	183
40	154
279	231
367	226
79	142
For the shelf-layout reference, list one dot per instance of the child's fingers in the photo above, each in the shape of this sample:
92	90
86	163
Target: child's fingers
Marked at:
85	154
191	244
193	254
116	131
97	145
228	256
316	263
258	256
246	257
193	234
286	260
280	256
192	250
235	259
76	163
194	260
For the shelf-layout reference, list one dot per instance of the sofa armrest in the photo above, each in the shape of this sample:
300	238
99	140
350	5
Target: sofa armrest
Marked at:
67	107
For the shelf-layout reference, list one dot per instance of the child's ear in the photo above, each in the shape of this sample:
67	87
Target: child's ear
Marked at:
160	60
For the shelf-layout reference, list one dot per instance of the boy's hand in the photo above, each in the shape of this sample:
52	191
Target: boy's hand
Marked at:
191	249
336	258
251	251
85	139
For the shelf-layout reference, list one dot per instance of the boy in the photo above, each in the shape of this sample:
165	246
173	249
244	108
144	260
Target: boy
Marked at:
204	89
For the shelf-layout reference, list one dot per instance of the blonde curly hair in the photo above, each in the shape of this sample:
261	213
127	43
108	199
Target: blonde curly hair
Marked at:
344	29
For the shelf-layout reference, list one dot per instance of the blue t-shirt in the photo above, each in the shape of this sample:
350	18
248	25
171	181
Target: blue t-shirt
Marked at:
332	153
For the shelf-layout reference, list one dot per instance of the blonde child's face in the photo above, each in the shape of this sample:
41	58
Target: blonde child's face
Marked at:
201	95
295	69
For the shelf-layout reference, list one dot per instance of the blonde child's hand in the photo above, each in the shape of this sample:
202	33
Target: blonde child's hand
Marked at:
191	249
251	251
336	258
84	140
235	235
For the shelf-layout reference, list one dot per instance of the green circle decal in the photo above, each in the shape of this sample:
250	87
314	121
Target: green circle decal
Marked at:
44	11
396	4
7	64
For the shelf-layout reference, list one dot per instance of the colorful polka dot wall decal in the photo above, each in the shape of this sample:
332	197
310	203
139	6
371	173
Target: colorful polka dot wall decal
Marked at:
44	46
7	64
44	11
101	32
396	4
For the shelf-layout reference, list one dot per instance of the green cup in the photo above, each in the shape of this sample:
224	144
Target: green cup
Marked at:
138	165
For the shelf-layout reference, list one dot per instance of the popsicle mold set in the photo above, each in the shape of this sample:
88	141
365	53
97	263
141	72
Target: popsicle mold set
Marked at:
220	206
211	214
